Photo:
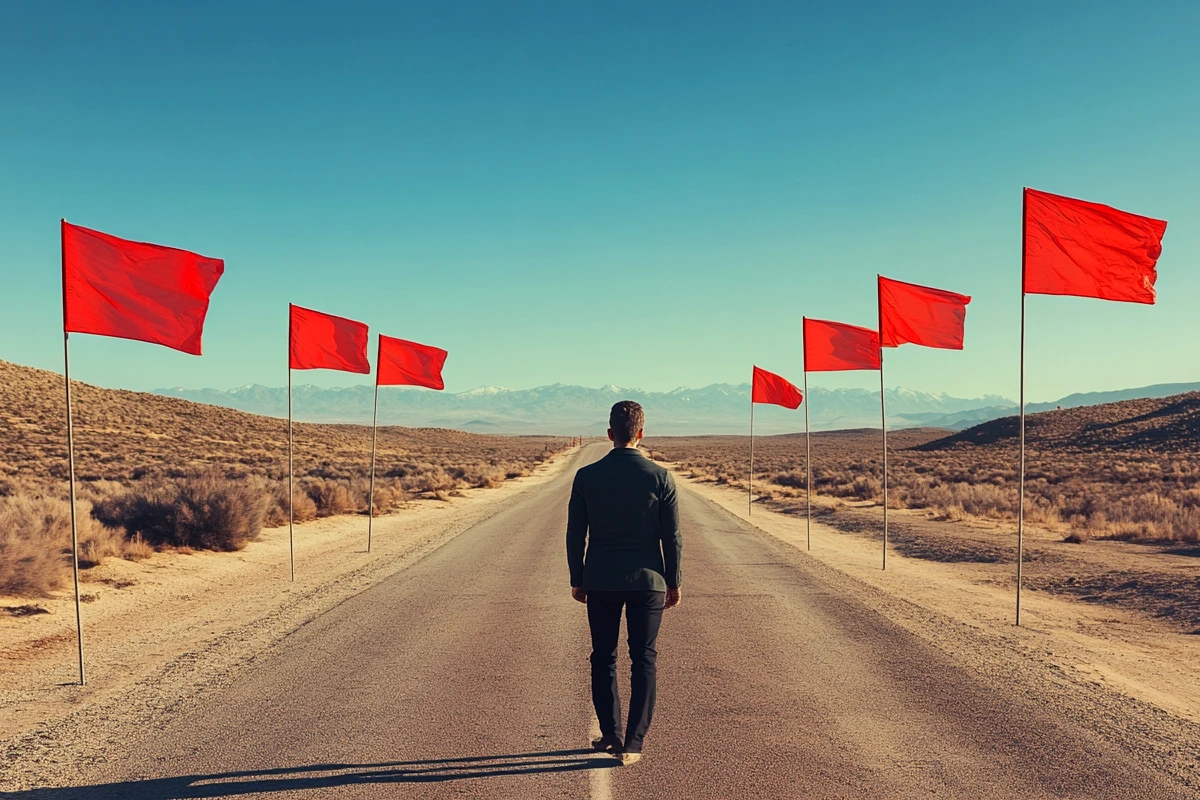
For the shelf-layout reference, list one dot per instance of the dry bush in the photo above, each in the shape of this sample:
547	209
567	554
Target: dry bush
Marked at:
430	479
137	455
330	496
137	549
35	543
204	512
389	495
98	541
276	504
1125	489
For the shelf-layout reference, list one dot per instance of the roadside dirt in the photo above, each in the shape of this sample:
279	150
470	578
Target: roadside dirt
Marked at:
1105	614
157	633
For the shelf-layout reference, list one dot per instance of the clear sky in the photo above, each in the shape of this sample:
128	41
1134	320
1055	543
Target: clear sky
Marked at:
643	194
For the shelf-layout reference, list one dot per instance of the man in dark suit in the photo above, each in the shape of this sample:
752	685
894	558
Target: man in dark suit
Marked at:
623	549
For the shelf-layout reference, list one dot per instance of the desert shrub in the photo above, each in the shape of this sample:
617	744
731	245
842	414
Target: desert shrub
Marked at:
98	541
430	479
35	543
137	549
204	512
276	513
330	496
389	494
793	479
484	477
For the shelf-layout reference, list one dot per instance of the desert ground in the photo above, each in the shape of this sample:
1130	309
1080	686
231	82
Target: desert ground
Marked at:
451	656
785	673
1111	496
160	474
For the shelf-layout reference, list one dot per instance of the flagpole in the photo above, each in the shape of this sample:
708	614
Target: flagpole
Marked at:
750	495
374	437
71	449
291	476
1021	483
883	415
807	467
74	522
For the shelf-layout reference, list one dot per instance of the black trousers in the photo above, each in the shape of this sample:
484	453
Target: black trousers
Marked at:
643	615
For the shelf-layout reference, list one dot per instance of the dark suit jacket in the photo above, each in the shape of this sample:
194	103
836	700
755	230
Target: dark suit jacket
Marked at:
623	507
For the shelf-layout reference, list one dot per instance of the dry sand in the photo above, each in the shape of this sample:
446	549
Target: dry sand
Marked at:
158	633
1147	659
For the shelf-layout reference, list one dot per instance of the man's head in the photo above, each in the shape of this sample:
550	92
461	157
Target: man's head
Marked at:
625	423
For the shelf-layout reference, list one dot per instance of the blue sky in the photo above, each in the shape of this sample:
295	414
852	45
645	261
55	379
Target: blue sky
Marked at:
643	194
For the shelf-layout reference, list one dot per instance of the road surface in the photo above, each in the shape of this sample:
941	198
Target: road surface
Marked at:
465	676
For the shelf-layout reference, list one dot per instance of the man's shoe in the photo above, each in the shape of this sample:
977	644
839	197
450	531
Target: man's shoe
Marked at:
628	759
606	745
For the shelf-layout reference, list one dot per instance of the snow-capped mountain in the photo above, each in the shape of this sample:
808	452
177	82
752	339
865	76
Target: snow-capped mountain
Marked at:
566	410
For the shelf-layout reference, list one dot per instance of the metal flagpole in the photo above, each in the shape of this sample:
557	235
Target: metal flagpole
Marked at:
74	523
807	467
71	449
883	415
750	496
291	476
374	437
1021	483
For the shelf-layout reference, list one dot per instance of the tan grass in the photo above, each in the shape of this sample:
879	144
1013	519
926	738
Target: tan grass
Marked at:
153	467
35	543
1118	489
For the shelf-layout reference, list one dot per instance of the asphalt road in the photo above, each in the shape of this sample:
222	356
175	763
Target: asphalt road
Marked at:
466	676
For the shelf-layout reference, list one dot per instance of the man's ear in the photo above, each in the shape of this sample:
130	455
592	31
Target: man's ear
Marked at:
639	436
610	435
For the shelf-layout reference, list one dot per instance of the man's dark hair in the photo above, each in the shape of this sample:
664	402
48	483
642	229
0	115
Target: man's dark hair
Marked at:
625	420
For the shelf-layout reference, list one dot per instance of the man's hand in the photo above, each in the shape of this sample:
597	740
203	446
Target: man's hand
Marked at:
673	598
579	594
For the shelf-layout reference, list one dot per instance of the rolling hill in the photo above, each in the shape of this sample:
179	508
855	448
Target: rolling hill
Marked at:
121	436
1168	424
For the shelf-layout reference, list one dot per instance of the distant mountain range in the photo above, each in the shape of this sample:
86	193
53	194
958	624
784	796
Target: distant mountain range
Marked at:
562	409
566	410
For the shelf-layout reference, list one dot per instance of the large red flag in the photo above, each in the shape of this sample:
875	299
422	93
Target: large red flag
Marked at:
404	363
134	290
835	346
323	341
1074	247
914	314
771	388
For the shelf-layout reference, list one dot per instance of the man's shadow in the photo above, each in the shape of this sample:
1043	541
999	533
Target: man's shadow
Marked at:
321	776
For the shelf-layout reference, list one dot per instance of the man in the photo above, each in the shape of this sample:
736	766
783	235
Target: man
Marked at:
623	509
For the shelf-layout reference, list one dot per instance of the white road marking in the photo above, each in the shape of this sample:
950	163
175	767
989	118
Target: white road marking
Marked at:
600	779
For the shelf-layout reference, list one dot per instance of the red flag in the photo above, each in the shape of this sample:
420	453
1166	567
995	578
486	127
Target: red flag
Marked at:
1086	249
835	346
771	388
323	341
134	290
403	363
914	314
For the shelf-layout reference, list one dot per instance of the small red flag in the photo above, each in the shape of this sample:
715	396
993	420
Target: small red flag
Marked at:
835	346
914	314
1073	247
133	290
771	388
404	363
323	341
